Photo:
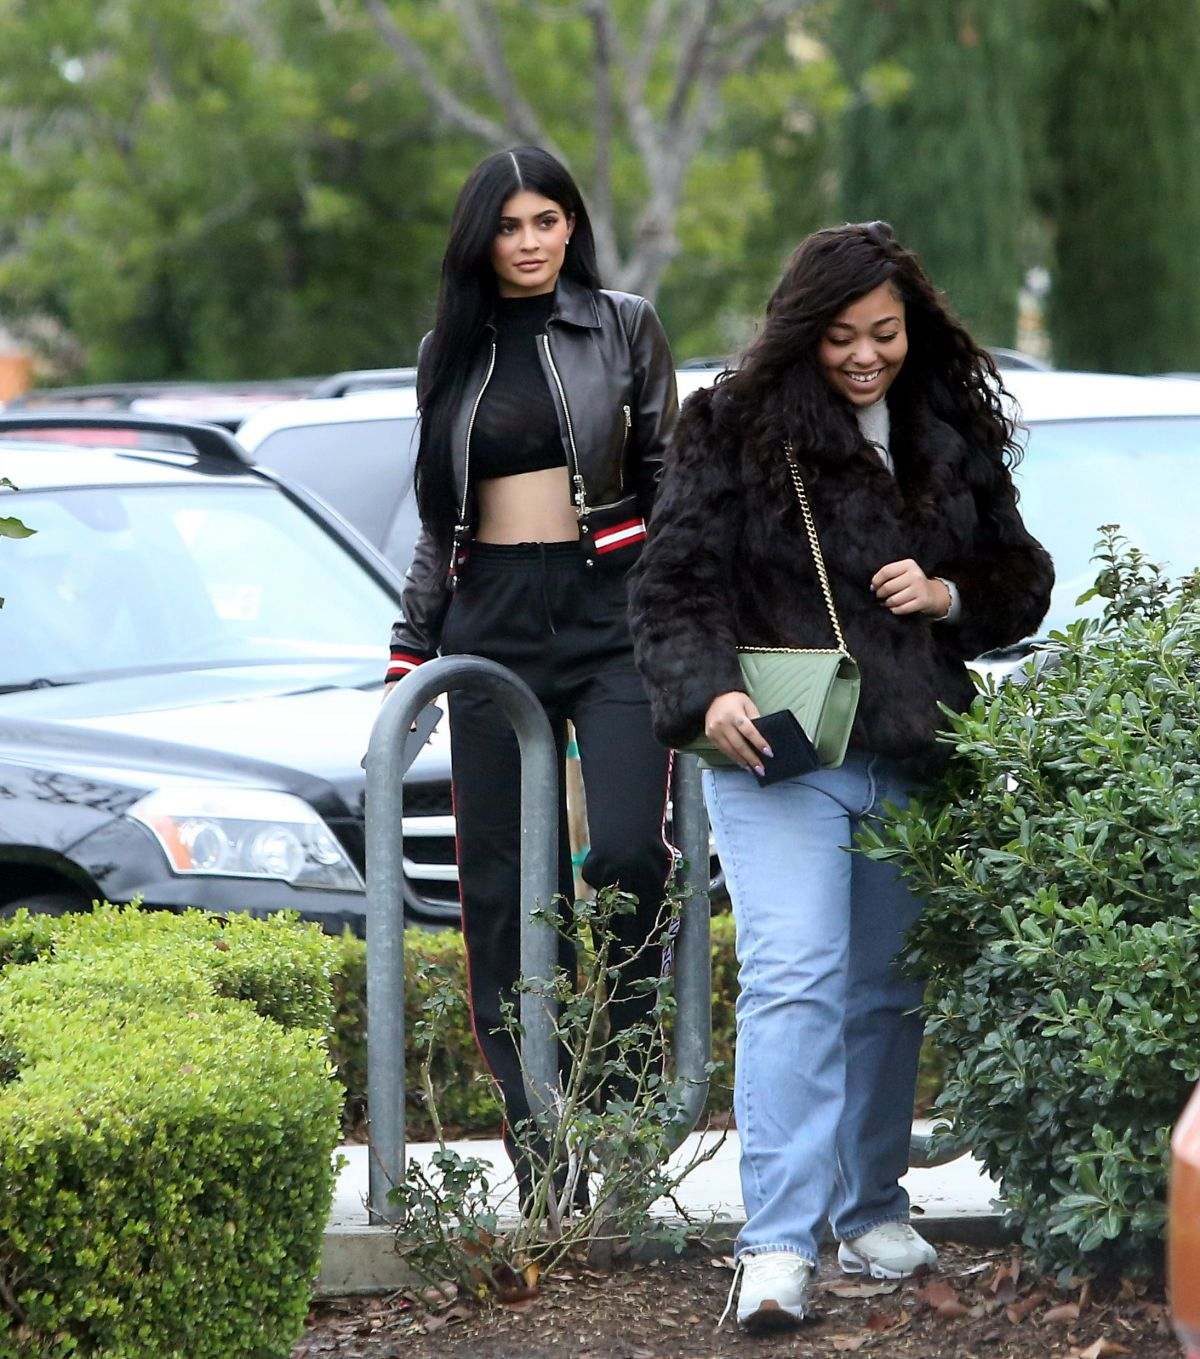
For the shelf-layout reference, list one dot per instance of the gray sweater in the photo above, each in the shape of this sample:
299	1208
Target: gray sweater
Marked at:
876	425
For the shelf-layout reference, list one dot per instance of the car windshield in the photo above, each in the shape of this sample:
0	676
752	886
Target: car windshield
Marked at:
121	579
1142	474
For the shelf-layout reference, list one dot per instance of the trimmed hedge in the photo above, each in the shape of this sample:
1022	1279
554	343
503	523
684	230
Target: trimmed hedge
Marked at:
167	1121
464	1092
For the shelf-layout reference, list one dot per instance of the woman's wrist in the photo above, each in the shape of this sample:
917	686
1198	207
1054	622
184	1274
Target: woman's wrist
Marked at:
949	612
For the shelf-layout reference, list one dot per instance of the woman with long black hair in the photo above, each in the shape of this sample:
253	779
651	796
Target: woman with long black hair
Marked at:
891	416
546	402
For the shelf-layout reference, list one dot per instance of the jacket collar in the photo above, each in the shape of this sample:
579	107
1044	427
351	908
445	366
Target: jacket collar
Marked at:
575	303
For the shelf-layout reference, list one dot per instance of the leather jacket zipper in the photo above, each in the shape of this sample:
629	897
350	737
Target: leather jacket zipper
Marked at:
624	445
580	496
487	377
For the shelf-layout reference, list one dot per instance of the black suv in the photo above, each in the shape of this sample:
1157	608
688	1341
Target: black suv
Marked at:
191	658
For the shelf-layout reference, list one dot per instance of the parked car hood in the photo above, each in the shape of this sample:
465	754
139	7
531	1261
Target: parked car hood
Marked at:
270	726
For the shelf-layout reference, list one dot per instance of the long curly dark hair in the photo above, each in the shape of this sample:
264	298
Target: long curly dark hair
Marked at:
778	392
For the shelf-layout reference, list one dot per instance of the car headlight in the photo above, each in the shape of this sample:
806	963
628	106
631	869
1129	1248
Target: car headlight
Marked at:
246	833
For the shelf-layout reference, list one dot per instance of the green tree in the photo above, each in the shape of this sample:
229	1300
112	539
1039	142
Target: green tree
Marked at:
264	188
1121	101
762	182
933	143
211	190
698	129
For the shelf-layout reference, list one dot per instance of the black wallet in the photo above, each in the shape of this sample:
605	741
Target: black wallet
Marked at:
792	752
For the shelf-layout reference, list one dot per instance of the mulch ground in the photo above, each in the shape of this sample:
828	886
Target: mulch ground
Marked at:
981	1304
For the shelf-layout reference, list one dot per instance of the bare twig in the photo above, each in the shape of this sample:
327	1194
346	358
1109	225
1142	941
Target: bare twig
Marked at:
639	65
698	34
666	137
605	43
414	58
9	1296
481	28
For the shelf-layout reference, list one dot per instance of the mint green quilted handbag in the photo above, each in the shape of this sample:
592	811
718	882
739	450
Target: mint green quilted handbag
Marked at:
819	686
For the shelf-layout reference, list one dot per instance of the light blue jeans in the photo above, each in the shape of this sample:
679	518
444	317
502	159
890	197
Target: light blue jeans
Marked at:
828	1033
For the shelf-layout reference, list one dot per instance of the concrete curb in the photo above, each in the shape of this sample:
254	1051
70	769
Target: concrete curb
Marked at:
360	1258
364	1260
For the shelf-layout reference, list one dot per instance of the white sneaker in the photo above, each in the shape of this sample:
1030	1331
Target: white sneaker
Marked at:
891	1251
774	1290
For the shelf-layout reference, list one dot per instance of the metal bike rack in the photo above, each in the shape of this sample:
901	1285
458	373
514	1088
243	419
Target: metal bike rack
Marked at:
921	1155
539	885
693	949
385	898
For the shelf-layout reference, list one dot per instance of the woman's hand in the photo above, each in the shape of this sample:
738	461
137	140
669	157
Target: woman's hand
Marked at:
729	725
903	588
387	690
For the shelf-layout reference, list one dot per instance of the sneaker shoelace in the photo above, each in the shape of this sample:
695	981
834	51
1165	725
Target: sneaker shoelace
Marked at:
776	1269
737	1274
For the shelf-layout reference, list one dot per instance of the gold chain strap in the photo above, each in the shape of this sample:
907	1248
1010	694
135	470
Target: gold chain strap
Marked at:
818	557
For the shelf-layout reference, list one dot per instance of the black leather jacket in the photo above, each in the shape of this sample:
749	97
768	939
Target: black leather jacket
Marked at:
612	378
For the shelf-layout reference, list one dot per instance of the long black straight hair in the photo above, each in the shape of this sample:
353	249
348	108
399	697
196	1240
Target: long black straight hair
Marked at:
467	297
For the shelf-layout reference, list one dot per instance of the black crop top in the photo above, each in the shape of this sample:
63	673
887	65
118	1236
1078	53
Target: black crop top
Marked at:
516	425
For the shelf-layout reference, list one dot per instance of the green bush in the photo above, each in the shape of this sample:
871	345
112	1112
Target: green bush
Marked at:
466	1102
1061	857
167	1120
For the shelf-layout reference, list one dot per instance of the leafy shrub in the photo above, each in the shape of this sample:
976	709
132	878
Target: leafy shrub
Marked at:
613	1126
463	1088
165	1146
466	1102
465	1098
1060	854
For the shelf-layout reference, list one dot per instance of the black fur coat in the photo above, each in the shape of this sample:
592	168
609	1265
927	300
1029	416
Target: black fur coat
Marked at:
723	567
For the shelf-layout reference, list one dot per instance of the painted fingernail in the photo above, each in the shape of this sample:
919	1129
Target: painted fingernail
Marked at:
759	770
768	752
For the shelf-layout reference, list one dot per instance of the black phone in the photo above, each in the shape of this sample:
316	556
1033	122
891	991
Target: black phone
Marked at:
423	727
792	752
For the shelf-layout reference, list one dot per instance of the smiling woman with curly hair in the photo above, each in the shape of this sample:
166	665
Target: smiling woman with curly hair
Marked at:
894	421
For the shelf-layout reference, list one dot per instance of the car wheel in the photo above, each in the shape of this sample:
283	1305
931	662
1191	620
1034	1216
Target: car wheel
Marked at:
45	903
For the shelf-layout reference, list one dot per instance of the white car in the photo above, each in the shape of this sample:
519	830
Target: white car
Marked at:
1100	449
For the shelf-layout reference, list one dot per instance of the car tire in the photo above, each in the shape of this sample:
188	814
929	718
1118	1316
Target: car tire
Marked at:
45	903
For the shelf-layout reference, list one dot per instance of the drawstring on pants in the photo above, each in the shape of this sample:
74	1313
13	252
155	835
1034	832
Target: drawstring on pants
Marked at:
546	592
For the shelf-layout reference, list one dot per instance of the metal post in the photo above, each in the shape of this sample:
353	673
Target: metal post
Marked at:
385	899
693	956
921	1155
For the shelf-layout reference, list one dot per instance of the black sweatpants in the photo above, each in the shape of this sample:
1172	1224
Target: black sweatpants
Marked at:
562	628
